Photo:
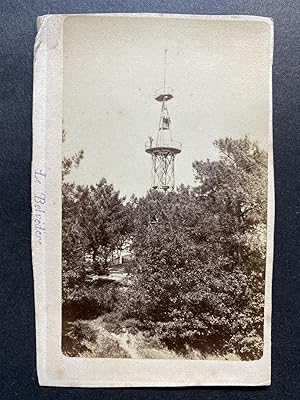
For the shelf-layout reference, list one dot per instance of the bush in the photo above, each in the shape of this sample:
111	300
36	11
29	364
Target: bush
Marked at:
90	301
248	347
75	337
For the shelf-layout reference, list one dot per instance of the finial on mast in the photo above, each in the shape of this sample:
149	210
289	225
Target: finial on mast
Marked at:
164	93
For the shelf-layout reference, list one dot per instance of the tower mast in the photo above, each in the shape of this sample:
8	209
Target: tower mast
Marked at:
165	66
165	148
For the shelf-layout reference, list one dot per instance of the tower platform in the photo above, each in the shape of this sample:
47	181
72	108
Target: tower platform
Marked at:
163	94
173	148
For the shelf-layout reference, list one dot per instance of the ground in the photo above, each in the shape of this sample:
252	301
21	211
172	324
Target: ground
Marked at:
133	345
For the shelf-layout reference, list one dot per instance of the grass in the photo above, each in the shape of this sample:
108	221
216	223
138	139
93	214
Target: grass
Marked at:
126	343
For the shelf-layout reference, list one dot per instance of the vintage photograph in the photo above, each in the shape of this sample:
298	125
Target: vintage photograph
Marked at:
165	141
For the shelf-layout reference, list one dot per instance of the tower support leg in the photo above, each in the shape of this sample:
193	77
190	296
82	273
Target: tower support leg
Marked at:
163	173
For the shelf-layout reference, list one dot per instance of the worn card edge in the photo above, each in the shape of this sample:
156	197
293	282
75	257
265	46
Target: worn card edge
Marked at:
42	113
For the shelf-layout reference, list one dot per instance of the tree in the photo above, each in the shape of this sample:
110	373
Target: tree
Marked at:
68	163
103	220
235	190
72	240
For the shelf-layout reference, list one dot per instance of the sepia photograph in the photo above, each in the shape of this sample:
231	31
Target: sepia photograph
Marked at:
153	200
149	199
164	188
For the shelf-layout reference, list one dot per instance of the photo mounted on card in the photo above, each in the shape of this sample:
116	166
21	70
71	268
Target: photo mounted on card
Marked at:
152	200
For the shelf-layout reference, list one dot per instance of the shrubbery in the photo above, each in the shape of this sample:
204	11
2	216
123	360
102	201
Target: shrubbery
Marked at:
89	301
198	280
76	337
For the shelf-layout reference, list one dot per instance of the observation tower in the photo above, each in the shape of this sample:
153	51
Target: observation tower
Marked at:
163	148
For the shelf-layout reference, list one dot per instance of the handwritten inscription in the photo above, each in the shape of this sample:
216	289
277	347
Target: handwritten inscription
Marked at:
39	206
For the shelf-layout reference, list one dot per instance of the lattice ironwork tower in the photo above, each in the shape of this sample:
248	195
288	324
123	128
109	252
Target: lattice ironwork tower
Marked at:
164	148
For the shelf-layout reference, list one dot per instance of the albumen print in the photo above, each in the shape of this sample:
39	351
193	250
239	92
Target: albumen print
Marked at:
164	190
152	200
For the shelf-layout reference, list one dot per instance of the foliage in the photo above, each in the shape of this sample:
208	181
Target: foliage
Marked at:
196	281
198	278
73	257
68	163
235	189
103	220
95	222
77	338
88	301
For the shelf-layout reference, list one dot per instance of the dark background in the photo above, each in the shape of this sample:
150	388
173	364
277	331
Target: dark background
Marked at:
18	28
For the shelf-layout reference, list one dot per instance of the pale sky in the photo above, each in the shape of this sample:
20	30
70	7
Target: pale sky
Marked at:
219	71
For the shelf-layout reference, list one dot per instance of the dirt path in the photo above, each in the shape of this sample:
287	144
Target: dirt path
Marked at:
123	344
128	345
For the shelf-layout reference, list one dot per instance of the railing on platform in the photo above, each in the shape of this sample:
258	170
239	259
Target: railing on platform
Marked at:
173	144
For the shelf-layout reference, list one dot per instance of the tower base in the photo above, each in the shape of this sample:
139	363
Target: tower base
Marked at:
163	177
